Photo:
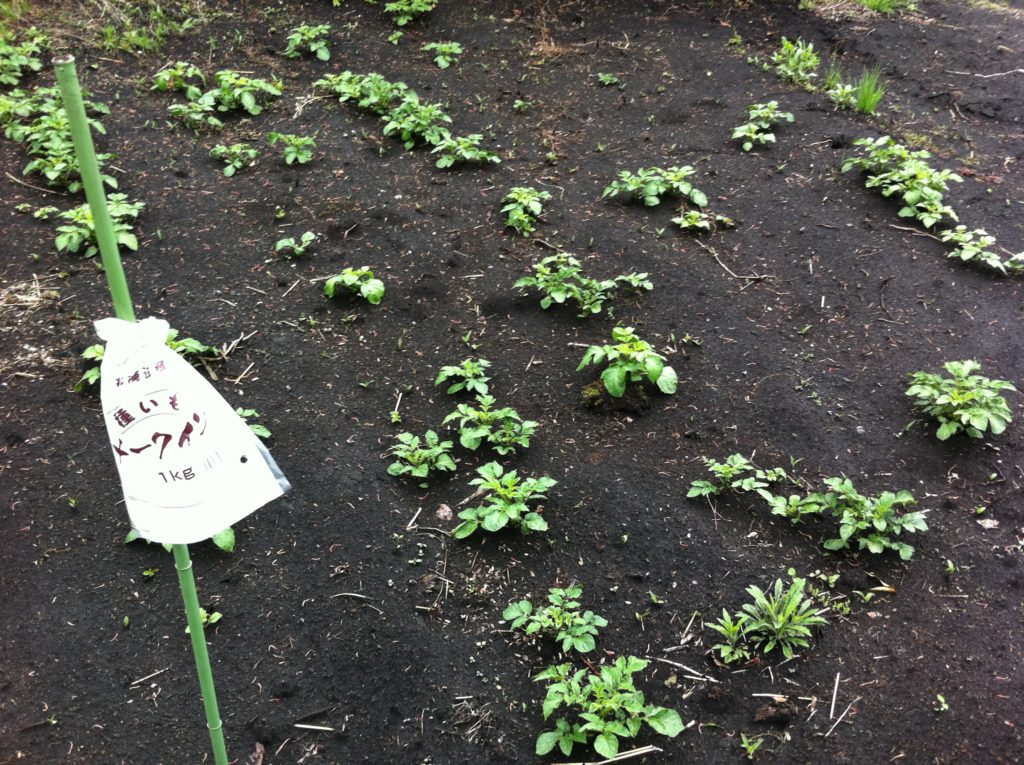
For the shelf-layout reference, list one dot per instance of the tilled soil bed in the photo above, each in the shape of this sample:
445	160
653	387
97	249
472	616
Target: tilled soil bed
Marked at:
347	606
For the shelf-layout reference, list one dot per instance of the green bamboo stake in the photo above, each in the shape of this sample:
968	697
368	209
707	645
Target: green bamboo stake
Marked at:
67	79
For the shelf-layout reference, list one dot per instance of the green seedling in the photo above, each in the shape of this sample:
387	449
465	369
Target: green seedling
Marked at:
523	205
506	502
290	248
417	458
470	376
780	618
796	62
561	618
180	76
445	53
870	523
606	80
237	92
356	280
296	148
462	149
309	39
652	183
698	220
965	402
258	428
502	429
737	473
405	11
208	618
80	230
629	360
560	277
973	247
761	118
750	745
235	157
17	59
608	704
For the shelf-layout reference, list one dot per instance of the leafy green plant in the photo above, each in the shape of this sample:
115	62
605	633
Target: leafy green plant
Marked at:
795	507
235	157
737	473
312	39
560	277
207	618
888	7
179	76
869	91
750	745
629	359
608	703
16	59
653	183
258	428
502	428
470	376
238	92
838	92
973	247
80	230
405	11
506	502
445	53
462	149
606	80
870	522
780	618
561	618
523	205
761	118
297	148
895	170
698	220
198	113
417	458
290	248
413	120
796	62
358	280
963	402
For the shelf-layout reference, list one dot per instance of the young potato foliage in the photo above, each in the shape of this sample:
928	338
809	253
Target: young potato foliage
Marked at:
235	157
560	277
80	230
405	11
462	149
418	458
523	205
470	375
796	62
507	499
16	59
737	473
761	118
445	53
608	703
561	618
179	76
297	148
502	428
872	523
964	402
650	184
698	220
630	359
358	280
291	248
309	39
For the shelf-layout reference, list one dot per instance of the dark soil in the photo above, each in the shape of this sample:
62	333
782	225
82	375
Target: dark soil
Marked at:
806	361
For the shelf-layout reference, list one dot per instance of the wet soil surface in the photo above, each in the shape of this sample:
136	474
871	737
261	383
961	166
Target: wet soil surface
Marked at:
346	605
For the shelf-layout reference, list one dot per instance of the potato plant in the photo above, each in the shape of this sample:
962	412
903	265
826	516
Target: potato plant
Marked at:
296	148
761	118
503	429
965	402
651	184
560	277
235	157
311	39
561	618
523	205
506	502
418	458
629	360
360	281
80	229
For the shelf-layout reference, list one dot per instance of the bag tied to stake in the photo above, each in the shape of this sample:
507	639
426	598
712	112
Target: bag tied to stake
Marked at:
189	466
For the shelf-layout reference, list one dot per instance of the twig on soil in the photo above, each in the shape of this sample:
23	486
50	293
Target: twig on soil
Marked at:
848	708
240	377
835	692
547	244
147	677
914	231
411	524
37	188
694	674
314	727
750	278
986	76
348	595
620	756
291	288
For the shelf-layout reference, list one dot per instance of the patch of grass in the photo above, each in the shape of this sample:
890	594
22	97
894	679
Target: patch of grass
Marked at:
869	90
889	7
135	26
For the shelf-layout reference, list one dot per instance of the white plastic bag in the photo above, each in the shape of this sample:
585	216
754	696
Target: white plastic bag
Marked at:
189	465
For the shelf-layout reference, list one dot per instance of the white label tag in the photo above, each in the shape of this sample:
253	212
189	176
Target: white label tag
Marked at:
189	465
